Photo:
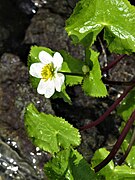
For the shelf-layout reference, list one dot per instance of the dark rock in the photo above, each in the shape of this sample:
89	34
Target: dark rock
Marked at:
15	167
15	94
40	3
14	18
48	29
26	6
124	70
61	7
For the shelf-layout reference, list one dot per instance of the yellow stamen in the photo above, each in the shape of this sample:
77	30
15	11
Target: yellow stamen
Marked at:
47	71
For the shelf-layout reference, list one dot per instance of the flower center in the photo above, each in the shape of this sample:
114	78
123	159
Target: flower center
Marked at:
47	71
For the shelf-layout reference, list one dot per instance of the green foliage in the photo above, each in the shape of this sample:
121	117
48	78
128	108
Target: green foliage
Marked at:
110	172
126	141
117	18
48	132
130	160
127	106
99	156
69	164
73	67
93	85
34	54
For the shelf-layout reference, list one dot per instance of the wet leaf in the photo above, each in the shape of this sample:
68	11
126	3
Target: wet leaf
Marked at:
131	158
127	106
74	66
92	84
117	18
99	156
48	132
111	172
69	164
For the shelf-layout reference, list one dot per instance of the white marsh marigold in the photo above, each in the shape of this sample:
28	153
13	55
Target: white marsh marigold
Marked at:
47	71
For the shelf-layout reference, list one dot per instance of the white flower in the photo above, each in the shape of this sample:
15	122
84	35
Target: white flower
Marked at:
47	70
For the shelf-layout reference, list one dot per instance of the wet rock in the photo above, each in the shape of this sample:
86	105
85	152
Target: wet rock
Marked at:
47	29
40	3
14	18
13	166
26	6
15	94
59	7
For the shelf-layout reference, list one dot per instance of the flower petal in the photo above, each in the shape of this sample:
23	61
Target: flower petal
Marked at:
46	87
57	60
35	69
59	80
45	57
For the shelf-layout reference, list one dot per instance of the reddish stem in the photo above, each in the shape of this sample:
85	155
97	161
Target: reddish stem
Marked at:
113	63
109	110
119	83
117	144
128	149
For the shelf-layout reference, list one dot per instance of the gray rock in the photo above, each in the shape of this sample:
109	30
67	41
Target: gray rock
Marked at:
47	29
15	94
64	7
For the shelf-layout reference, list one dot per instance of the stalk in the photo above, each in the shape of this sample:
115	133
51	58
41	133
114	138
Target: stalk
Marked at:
118	83
109	110
113	63
117	144
128	149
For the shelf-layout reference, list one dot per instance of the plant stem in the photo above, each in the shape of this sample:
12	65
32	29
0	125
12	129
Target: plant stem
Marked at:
72	74
113	63
117	144
119	83
103	51
109	110
128	149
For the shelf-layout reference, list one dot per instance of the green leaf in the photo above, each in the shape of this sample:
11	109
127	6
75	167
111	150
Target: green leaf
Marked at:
99	156
127	106
73	68
117	18
48	132
93	85
131	158
111	172
34	53
123	172
69	164
127	139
